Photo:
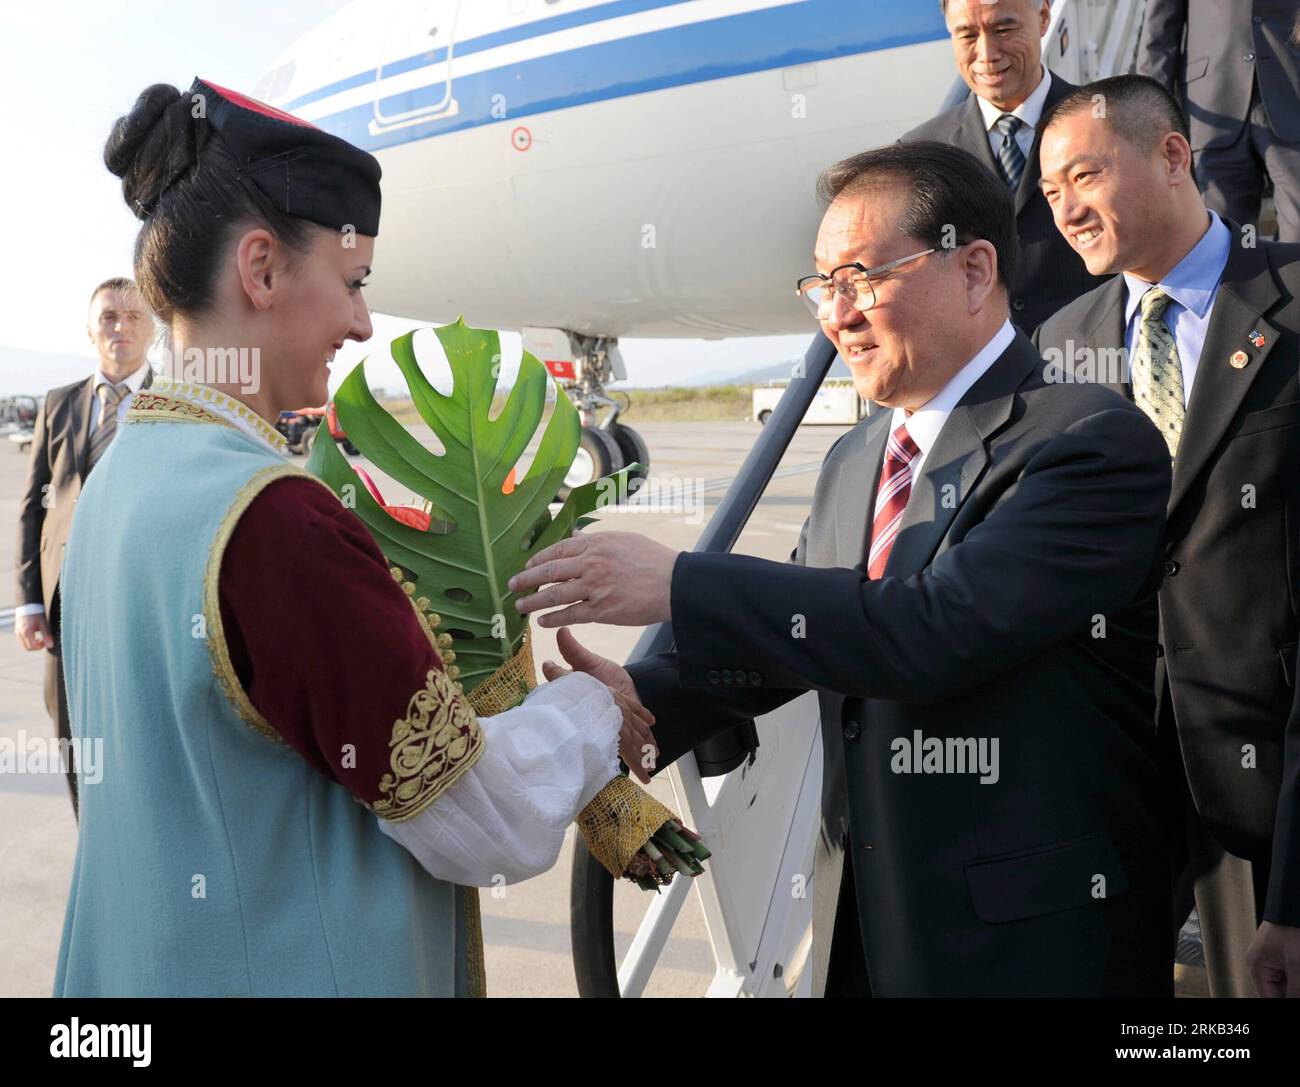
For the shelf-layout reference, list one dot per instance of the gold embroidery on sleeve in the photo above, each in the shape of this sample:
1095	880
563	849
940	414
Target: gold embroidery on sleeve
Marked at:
430	748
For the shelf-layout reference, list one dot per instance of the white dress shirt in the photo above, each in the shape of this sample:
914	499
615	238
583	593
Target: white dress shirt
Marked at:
927	421
1030	111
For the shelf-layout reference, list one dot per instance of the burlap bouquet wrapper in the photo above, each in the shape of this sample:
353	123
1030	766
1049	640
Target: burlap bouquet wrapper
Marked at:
619	821
621	818
509	685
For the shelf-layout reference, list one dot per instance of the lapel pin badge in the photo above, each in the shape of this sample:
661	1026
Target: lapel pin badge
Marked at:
1239	359
1257	338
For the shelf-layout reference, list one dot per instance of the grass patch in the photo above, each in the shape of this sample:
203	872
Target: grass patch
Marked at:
674	404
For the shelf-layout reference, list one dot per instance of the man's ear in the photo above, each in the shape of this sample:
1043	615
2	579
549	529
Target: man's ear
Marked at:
1177	153
980	268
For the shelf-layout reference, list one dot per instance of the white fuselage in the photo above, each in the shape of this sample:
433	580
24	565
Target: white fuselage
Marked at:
612	167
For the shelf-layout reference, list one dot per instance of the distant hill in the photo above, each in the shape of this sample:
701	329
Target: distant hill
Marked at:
783	370
34	373
775	371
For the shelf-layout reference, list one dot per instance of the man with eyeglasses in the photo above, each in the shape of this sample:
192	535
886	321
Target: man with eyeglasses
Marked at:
976	584
998	48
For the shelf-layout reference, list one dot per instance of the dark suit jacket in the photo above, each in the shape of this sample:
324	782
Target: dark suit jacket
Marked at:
1049	273
55	474
1283	904
1212	51
1231	594
1037	519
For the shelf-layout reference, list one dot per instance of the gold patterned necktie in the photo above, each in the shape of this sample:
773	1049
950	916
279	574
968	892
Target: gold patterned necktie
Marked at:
110	396
1158	371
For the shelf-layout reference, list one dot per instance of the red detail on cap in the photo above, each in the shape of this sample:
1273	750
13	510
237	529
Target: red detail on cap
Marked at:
253	105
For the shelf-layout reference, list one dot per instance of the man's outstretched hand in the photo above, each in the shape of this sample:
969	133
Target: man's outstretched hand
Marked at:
636	743
620	578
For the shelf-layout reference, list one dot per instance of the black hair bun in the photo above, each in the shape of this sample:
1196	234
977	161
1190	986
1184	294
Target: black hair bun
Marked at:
152	146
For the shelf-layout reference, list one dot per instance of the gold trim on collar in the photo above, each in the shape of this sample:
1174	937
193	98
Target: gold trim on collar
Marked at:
195	403
430	748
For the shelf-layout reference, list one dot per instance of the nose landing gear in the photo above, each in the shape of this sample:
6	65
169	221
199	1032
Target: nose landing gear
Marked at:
584	365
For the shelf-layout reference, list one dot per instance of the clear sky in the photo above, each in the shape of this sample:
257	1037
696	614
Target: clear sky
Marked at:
68	69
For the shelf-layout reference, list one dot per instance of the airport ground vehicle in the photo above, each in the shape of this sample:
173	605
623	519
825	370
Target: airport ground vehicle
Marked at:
299	427
836	402
17	419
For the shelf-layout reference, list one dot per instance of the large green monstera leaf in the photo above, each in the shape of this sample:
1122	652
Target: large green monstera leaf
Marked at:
479	535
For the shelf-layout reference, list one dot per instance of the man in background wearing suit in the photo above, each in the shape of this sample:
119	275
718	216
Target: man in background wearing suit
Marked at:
977	574
73	428
998	47
1208	322
1239	68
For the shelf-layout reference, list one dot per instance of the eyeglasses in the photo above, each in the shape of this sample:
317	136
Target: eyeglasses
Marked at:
851	281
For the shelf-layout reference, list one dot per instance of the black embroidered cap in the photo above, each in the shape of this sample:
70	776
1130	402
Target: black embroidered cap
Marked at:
303	170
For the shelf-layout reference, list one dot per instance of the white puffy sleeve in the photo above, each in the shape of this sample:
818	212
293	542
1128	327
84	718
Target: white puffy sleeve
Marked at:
541	764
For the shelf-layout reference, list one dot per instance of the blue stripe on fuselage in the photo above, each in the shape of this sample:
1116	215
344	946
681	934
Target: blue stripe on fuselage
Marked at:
484	42
718	48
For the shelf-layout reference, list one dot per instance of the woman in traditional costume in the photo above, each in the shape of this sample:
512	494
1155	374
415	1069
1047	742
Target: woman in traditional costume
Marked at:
297	797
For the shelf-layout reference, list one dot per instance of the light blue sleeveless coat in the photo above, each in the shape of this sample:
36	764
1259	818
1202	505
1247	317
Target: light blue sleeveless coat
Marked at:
212	859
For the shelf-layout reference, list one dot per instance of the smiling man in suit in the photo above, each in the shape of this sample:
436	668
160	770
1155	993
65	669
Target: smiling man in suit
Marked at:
998	48
74	427
1202	330
977	578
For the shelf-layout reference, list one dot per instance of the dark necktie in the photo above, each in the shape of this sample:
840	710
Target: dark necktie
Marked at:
1011	160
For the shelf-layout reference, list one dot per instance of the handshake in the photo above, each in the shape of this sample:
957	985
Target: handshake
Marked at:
626	829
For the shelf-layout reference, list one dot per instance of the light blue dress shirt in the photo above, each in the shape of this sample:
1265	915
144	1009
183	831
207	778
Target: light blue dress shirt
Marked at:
1192	285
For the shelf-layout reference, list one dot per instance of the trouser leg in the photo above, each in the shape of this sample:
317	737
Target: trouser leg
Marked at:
1226	906
56	704
1282	162
1232	177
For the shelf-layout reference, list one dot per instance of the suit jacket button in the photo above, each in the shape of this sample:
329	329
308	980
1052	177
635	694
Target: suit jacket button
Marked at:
739	678
1172	567
727	678
713	678
755	679
852	730
1248	57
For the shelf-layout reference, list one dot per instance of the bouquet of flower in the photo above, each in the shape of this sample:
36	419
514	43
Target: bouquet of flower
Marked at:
477	526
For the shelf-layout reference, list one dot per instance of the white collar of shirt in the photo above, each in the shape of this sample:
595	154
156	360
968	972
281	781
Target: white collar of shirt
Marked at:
133	382
1030	110
927	421
1194	281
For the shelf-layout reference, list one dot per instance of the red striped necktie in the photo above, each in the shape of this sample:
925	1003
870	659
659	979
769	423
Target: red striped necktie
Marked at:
891	498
